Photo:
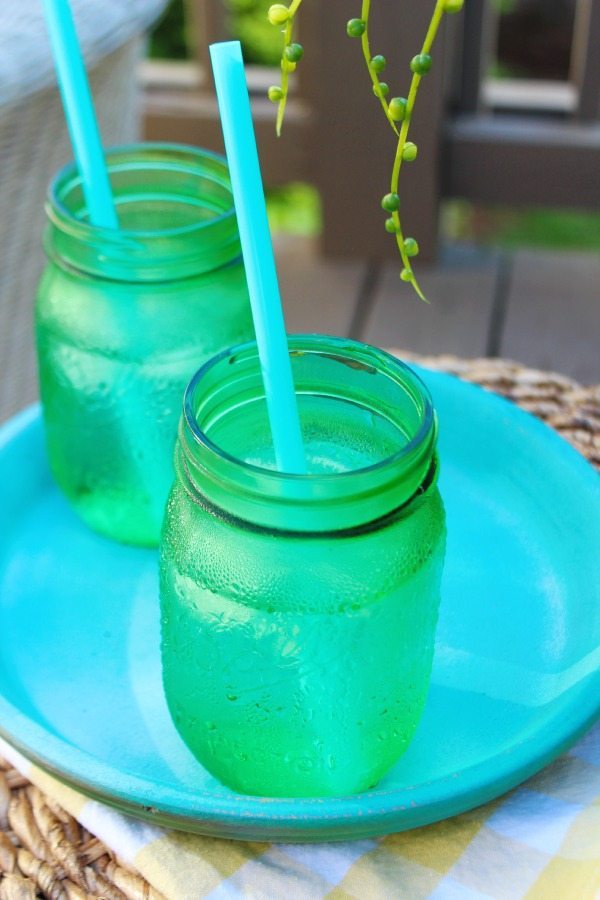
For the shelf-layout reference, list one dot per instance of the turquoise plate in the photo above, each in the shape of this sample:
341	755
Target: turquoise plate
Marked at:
516	674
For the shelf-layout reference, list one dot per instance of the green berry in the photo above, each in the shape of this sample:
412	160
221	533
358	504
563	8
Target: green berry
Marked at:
390	226
411	247
406	275
287	66
294	53
398	108
381	89
378	63
409	152
421	64
356	28
275	94
391	202
278	14
453	6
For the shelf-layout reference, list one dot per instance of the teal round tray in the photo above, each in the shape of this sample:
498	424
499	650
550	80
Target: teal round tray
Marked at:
515	678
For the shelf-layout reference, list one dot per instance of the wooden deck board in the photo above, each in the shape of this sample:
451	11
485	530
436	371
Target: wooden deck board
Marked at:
317	295
551	320
456	320
553	316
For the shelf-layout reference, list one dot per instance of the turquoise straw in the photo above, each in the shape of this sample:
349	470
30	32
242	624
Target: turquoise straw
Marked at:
79	111
257	249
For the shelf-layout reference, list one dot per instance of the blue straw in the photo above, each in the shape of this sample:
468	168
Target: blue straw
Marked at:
251	211
79	110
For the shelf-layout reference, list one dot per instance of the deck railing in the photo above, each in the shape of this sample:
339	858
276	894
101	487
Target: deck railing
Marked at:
510	142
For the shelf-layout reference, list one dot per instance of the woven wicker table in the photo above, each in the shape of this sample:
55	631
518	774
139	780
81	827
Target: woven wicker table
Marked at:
44	852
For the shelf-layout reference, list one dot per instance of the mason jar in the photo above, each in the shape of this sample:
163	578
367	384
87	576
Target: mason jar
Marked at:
124	318
299	611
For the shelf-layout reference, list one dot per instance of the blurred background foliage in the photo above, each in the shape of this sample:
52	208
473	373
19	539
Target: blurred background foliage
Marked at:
168	38
533	41
248	23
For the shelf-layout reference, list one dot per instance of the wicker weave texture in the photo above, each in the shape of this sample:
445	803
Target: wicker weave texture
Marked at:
561	402
44	852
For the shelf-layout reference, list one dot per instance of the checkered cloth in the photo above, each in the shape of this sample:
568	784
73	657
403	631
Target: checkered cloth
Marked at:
541	841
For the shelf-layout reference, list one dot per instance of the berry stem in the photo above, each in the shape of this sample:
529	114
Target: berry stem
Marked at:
366	49
410	102
286	67
285	76
433	26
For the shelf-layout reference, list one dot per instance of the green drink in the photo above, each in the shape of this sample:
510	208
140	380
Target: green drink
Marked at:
299	612
124	318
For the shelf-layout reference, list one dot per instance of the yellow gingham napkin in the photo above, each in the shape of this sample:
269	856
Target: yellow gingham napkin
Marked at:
541	841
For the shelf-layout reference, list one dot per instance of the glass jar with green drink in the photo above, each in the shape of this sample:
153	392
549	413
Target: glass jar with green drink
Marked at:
299	611
123	319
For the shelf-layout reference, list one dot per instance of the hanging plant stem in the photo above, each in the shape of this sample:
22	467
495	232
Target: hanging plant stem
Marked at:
420	65
291	55
375	65
397	110
400	110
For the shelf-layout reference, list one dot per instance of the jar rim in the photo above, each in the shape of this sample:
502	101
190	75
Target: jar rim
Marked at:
68	178
311	343
170	180
314	502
